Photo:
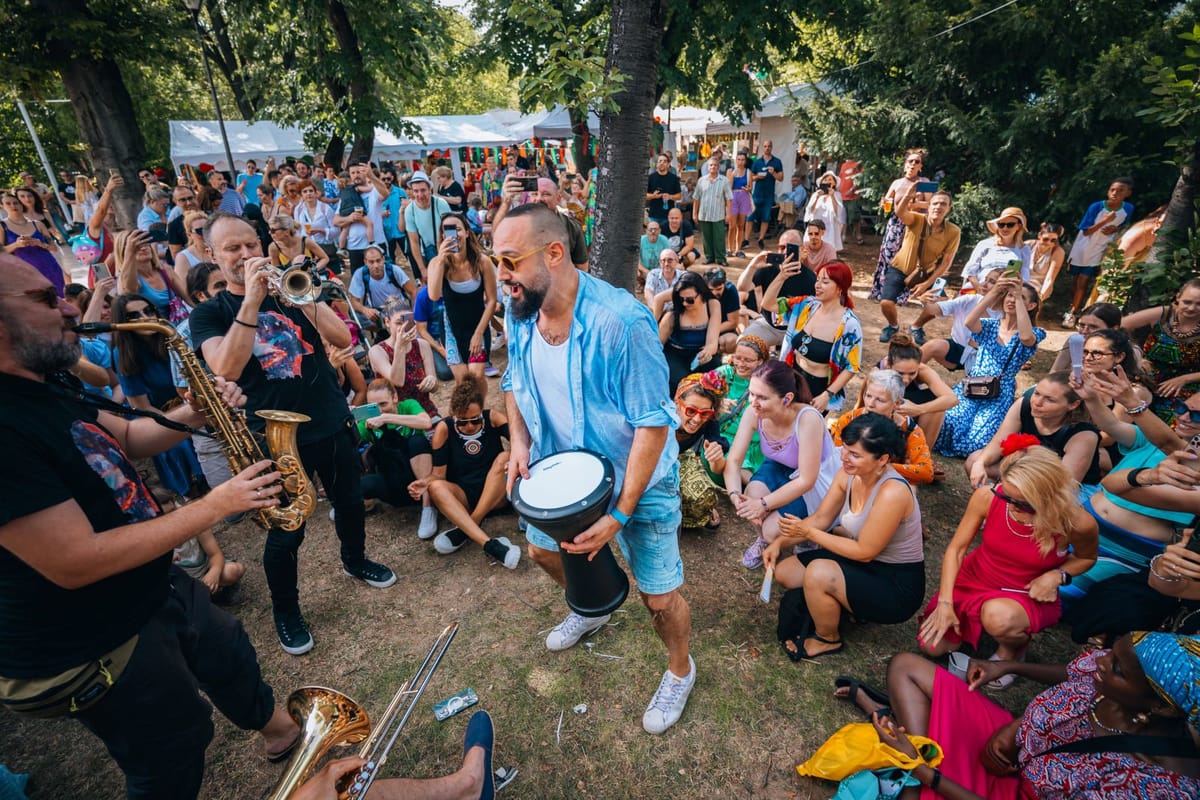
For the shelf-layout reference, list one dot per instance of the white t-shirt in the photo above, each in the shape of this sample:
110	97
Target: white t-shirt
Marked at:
958	309
988	255
373	208
1088	251
553	389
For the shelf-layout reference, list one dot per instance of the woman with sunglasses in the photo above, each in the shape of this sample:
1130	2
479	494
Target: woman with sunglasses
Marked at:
1053	414
690	332
468	474
1046	256
289	196
29	240
139	271
144	372
701	446
1035	539
823	336
286	247
1006	246
1172	350
461	277
800	457
196	251
893	228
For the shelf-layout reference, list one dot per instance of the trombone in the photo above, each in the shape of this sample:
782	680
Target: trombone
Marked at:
328	718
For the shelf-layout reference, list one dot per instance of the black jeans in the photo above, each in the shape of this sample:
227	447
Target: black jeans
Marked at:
393	469
153	720
335	459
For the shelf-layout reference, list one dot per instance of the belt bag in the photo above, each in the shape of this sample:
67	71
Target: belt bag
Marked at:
69	692
985	387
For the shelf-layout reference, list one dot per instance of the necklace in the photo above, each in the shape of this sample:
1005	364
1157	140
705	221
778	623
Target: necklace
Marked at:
1096	701
1012	520
1177	332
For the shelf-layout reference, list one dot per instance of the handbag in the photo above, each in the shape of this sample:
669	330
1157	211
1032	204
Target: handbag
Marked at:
985	387
857	747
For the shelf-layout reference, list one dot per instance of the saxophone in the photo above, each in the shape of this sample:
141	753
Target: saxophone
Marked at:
297	498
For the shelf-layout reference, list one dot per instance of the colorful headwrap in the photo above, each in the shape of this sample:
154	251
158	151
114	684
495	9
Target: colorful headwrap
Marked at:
756	344
1172	665
712	382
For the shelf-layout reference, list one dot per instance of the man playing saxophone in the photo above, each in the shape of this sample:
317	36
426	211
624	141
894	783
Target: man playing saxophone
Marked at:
95	622
273	350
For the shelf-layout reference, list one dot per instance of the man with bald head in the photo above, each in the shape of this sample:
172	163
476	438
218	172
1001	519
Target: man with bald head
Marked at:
549	195
586	370
95	621
274	351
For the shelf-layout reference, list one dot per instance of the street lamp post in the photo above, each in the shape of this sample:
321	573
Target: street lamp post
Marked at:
194	7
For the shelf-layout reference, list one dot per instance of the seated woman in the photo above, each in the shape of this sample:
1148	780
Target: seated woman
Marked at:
1172	349
1131	533
1102	351
399	452
882	394
691	330
800	458
1096	317
823	340
1145	686
413	374
868	557
750	354
1054	414
467	482
1035	539
1004	345
927	398
702	448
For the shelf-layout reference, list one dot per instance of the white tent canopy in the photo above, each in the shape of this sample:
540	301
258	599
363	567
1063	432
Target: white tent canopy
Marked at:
554	123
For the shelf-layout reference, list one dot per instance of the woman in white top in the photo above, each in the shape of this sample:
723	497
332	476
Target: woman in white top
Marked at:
996	252
315	218
826	204
196	251
1046	258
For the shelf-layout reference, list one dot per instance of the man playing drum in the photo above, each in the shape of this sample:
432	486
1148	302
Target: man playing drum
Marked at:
560	322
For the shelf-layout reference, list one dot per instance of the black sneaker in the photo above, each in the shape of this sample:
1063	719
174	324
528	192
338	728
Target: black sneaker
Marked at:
372	574
294	637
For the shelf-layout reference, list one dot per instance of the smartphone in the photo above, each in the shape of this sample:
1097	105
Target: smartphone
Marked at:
775	259
452	235
927	187
939	287
1013	268
529	183
792	252
366	412
158	233
113	173
100	270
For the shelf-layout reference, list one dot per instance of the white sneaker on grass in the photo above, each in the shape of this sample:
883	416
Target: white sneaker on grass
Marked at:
666	707
449	540
566	633
427	527
504	551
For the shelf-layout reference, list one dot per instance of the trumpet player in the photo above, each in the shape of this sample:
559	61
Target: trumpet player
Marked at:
273	350
95	622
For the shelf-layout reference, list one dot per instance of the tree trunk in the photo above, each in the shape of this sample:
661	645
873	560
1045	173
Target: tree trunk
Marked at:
634	39
335	152
359	82
1178	222
581	139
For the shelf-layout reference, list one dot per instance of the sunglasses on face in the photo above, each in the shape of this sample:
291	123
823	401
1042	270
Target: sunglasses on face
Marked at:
687	301
912	161
1006	224
469	422
702	413
198	231
1019	505
509	263
1049	239
279	230
1182	410
147	314
47	295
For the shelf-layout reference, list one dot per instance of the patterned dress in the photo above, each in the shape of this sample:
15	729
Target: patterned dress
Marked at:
971	424
1168	356
414	373
893	237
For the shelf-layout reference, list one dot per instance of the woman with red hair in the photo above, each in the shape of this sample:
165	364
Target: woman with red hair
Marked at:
823	341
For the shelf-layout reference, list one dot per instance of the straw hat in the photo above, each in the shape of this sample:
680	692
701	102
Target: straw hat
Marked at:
1012	212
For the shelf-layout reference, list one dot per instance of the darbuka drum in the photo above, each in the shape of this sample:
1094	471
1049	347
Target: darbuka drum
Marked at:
564	494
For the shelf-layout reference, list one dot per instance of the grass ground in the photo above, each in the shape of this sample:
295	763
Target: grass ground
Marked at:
752	717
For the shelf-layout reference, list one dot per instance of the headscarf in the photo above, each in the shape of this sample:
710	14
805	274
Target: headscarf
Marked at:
1172	665
756	344
711	382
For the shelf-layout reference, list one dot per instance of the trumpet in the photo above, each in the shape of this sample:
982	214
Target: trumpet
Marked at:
328	718
296	284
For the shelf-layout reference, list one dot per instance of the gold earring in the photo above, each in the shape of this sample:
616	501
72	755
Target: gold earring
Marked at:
1141	718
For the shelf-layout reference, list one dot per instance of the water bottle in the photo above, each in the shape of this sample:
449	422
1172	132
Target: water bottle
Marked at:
1075	343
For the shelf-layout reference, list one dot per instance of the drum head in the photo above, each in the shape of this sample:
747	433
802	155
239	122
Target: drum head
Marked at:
573	479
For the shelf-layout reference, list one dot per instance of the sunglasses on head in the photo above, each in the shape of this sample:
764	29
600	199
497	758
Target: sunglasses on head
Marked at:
510	262
1182	409
47	295
702	413
1019	505
1007	224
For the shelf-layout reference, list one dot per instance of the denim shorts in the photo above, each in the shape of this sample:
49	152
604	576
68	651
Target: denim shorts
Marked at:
650	542
1091	272
893	284
774	475
762	210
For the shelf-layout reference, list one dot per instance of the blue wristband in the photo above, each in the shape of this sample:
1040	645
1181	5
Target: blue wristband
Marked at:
619	516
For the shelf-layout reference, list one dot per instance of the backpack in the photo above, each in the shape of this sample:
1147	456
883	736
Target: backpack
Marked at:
389	273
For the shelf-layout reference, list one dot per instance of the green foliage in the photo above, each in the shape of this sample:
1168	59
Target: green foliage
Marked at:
974	205
1177	103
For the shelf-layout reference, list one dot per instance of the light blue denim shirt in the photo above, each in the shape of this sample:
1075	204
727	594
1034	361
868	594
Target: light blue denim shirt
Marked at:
623	387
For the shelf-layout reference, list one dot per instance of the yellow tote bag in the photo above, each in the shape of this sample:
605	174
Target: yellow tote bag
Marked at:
857	747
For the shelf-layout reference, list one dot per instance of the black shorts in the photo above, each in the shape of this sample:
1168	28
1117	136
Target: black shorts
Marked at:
893	284
918	395
877	592
954	355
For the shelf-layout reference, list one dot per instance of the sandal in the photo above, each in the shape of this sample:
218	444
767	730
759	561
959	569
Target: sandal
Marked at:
798	653
841	645
854	685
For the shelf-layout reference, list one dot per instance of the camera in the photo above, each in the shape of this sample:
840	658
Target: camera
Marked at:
529	183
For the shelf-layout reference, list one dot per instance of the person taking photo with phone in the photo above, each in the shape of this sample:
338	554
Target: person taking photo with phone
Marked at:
930	244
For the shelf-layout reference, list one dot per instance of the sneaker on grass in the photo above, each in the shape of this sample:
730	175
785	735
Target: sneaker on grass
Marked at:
566	633
503	551
666	707
427	527
449	540
371	573
294	636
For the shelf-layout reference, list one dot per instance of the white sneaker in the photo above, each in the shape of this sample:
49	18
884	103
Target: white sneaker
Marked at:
566	633
669	701
449	540
427	528
513	556
1068	320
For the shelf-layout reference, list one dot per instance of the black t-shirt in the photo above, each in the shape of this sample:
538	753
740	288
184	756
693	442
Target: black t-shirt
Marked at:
455	189
667	184
67	190
54	451
288	370
730	302
176	235
801	285
677	237
468	461
579	251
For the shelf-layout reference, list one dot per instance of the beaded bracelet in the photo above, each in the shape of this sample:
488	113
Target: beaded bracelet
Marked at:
1166	578
1138	409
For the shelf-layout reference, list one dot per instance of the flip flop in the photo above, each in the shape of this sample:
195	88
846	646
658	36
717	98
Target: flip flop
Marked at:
480	733
285	753
798	653
854	685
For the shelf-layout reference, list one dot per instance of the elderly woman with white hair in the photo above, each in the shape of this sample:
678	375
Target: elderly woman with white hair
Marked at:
883	394
826	204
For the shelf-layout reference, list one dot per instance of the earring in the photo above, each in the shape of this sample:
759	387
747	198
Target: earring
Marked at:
1141	718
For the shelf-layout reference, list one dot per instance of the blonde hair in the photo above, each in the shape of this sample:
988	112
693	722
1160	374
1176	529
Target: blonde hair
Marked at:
1039	475
443	172
282	221
191	218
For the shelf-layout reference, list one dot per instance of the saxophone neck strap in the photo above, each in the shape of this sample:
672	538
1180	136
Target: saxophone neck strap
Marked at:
75	392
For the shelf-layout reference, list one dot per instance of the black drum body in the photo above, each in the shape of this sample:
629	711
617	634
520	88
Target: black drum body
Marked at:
563	496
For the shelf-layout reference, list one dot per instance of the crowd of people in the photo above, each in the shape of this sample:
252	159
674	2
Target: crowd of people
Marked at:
360	300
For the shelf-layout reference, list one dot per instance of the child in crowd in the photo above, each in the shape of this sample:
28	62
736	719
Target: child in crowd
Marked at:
1097	229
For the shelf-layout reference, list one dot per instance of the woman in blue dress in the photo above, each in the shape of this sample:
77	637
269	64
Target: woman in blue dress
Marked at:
1004	345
